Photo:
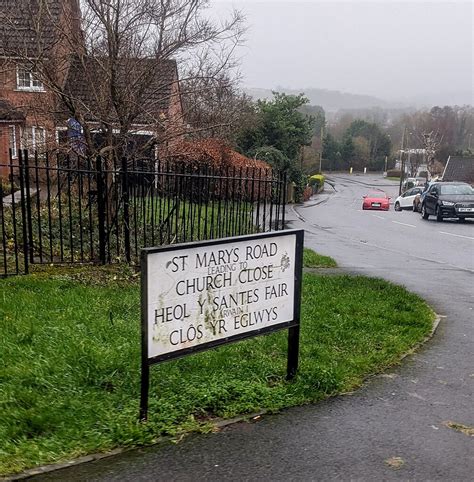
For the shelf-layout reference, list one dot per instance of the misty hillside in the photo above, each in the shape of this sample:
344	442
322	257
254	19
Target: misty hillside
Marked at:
329	100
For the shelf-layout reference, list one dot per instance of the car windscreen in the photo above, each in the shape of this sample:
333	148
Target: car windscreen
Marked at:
457	189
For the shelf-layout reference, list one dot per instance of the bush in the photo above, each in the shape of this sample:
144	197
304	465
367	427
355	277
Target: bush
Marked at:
7	187
394	173
307	193
299	179
316	182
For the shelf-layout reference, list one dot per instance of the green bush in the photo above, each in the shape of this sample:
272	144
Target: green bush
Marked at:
316	182
394	173
300	184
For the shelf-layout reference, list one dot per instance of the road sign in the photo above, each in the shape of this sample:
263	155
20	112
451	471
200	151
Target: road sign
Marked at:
197	296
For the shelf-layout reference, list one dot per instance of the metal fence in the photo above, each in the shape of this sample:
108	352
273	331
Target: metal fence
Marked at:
63	210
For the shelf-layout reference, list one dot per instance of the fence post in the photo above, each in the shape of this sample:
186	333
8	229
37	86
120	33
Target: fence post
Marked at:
284	187
126	208
28	205
26	248
101	209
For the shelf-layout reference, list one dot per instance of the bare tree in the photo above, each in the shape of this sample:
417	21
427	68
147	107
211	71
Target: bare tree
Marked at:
416	159
112	64
215	107
431	142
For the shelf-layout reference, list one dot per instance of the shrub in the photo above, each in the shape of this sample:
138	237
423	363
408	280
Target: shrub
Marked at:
299	180
316	182
394	173
307	193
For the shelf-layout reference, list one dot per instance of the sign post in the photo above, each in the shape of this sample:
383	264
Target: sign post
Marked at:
197	296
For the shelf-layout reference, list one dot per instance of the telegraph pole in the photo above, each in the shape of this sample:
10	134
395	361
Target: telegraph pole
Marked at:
321	150
402	163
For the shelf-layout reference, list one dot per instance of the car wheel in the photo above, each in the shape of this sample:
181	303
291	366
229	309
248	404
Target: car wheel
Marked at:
397	206
439	216
424	214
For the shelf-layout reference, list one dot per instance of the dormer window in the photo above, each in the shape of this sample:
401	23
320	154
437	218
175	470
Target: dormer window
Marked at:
26	79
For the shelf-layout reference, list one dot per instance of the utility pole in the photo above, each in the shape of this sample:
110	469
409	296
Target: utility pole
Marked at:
385	168
402	163
321	150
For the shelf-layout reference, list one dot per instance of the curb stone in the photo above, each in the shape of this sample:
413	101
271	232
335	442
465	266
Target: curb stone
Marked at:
45	469
218	424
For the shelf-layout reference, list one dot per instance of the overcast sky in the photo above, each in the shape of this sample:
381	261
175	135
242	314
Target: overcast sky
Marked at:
400	50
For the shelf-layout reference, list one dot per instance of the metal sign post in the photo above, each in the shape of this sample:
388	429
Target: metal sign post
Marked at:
198	296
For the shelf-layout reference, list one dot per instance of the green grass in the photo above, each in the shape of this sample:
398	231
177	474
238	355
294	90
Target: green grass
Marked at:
312	259
70	358
392	178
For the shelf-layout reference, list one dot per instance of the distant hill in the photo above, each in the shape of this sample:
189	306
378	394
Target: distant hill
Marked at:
329	100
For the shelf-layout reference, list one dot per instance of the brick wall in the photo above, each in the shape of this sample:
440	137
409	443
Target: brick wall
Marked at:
5	146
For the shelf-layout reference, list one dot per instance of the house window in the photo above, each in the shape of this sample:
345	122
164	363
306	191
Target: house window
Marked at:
34	139
12	137
26	79
39	138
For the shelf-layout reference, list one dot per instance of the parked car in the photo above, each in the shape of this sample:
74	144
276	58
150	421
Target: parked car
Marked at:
448	200
417	203
377	200
411	182
405	200
419	197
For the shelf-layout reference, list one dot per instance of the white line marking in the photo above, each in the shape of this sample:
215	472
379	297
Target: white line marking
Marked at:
375	216
404	224
457	235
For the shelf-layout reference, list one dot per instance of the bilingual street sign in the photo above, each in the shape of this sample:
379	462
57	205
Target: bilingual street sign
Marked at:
197	296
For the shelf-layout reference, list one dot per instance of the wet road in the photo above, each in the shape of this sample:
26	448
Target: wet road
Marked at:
398	417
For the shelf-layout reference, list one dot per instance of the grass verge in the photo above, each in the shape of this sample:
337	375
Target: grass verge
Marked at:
69	376
312	259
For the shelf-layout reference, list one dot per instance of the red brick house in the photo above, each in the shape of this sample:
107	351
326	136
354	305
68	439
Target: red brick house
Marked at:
45	34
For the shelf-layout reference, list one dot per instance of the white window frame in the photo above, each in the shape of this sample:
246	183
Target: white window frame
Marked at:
31	74
12	141
57	131
28	136
34	142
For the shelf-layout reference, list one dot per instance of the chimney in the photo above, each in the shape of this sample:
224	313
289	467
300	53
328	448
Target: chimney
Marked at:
72	20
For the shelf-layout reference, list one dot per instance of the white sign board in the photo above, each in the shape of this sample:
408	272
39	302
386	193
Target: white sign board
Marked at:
206	293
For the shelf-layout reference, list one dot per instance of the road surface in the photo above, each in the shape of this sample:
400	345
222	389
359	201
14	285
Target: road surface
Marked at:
398	419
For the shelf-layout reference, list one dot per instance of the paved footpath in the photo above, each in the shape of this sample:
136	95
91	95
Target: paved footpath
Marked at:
395	427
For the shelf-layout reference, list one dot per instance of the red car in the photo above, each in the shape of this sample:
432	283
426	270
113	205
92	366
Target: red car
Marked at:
376	200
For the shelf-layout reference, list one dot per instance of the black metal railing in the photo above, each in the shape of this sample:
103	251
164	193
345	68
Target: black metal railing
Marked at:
61	210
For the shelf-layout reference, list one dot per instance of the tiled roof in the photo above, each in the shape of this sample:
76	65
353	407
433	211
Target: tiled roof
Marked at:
27	26
459	169
147	87
10	113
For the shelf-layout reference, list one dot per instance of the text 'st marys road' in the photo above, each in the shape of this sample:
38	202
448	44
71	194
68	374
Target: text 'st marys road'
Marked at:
202	294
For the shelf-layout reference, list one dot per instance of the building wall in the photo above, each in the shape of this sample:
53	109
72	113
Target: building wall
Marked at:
5	132
38	107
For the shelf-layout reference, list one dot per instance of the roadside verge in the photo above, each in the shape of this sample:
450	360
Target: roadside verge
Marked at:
70	383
